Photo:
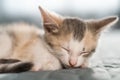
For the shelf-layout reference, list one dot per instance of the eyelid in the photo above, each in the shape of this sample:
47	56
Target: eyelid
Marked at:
87	52
84	52
66	49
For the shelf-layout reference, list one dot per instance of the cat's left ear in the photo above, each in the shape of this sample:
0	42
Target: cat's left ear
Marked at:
51	21
101	24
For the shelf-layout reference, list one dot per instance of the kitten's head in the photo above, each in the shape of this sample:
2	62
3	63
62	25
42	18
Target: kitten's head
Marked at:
74	40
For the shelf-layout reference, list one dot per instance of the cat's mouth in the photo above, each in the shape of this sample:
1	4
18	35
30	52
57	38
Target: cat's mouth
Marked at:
70	67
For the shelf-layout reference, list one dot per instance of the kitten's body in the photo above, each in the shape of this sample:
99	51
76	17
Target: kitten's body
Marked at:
68	40
25	42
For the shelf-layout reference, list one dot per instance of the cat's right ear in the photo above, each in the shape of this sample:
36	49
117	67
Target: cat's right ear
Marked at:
99	25
51	21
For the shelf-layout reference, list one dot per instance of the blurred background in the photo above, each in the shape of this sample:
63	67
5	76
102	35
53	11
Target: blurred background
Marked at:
109	43
27	10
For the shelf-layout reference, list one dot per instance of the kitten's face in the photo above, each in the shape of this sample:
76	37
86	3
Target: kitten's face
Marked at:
72	39
73	43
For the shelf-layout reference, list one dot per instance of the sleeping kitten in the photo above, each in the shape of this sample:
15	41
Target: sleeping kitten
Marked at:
67	41
23	47
73	40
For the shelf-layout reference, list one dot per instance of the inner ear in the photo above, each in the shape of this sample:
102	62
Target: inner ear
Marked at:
51	21
51	28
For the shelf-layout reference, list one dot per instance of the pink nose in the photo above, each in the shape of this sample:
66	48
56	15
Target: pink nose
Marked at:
72	62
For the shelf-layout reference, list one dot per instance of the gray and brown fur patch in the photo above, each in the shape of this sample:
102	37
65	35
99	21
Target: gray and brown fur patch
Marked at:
75	26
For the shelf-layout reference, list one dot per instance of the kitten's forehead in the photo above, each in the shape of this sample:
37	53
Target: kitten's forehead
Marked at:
75	26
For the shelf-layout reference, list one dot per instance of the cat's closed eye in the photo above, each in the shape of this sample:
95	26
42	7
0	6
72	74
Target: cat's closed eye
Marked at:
87	53
84	53
66	49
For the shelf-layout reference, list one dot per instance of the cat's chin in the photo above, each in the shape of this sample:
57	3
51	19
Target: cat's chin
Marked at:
71	67
84	65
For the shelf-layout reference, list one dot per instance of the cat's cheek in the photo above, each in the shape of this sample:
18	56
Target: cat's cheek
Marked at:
65	59
85	64
81	61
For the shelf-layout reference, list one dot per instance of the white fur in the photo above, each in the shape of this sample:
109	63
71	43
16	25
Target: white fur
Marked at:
5	44
37	52
76	48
